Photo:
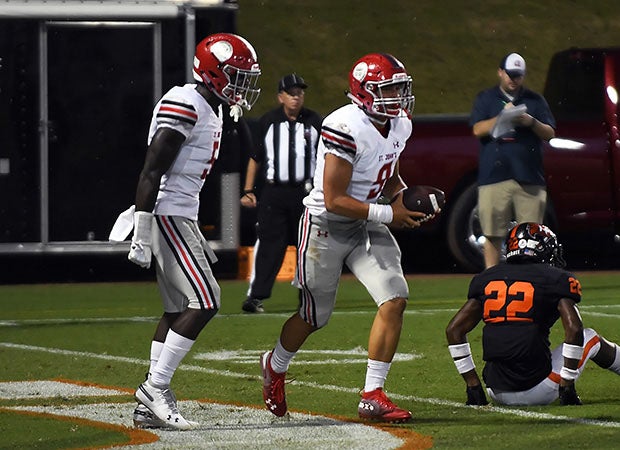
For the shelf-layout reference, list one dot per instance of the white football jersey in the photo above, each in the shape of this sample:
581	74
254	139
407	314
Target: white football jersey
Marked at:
349	134
183	109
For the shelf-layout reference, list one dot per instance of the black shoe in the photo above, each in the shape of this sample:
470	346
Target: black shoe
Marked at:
253	305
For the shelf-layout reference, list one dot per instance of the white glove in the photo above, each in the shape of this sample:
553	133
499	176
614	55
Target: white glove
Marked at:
140	252
236	112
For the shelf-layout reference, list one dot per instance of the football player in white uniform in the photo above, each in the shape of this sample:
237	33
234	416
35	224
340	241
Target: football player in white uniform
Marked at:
357	162
183	144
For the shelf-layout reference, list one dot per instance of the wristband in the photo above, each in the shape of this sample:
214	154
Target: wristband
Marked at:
380	213
569	374
248	191
142	227
460	350
464	364
572	351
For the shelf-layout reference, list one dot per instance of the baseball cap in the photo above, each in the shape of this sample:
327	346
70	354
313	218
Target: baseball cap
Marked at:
513	64
290	81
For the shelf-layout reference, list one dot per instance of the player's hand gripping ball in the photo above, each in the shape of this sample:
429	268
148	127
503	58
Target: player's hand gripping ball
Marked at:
426	199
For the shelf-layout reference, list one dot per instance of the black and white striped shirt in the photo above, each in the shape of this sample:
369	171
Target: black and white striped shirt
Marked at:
288	148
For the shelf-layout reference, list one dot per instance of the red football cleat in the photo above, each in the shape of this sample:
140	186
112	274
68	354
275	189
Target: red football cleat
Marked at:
273	387
375	405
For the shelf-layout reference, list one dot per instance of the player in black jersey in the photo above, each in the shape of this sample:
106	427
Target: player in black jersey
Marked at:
519	302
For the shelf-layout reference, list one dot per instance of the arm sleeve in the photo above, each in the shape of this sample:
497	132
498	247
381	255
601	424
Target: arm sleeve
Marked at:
338	142
176	113
568	286
477	112
475	288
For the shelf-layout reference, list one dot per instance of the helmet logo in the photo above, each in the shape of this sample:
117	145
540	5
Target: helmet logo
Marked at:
535	242
360	71
222	50
527	243
343	127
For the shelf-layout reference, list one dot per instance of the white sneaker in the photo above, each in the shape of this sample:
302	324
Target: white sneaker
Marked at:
163	405
144	418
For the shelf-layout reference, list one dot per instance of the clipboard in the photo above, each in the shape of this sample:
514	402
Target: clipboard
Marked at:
504	123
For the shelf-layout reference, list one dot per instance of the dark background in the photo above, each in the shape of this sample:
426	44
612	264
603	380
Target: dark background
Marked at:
101	105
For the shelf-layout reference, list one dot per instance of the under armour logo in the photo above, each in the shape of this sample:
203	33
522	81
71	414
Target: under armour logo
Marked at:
320	233
396	144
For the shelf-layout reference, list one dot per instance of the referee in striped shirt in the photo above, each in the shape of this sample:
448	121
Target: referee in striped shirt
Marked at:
286	154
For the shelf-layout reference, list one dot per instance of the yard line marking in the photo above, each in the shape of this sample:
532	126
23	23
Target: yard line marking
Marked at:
60	321
226	426
616	305
599	314
11	390
411	398
249	356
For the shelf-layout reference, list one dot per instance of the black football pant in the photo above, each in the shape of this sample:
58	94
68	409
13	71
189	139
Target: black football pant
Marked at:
279	210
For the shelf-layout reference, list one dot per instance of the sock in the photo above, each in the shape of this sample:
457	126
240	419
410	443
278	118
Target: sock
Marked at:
174	350
615	366
376	373
156	348
281	358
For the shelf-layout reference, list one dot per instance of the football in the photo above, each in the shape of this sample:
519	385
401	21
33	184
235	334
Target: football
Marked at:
426	199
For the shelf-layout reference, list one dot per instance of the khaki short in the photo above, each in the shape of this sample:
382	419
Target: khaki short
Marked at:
500	203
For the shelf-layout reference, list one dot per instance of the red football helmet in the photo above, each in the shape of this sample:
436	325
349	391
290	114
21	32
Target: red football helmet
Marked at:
228	66
380	85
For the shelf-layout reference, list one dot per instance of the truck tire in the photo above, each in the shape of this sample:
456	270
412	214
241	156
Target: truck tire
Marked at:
464	235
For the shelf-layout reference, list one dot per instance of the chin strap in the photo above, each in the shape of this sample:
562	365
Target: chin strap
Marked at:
381	121
377	120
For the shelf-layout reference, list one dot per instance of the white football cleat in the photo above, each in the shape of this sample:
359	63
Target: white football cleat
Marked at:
162	403
144	418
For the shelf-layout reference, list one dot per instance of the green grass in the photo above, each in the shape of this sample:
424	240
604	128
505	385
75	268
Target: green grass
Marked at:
451	47
99	319
47	433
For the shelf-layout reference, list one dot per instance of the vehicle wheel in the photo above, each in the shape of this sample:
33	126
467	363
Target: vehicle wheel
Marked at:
464	235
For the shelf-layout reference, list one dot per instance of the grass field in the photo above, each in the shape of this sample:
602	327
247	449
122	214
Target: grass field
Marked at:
98	334
451	47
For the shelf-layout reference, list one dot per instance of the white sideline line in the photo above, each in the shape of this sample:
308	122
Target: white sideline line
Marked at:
585	310
412	398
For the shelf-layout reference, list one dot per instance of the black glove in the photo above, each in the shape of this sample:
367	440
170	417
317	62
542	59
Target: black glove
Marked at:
568	396
476	396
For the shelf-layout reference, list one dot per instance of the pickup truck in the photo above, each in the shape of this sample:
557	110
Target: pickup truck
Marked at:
582	163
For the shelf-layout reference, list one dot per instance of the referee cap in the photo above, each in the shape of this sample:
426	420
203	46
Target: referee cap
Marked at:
290	81
513	64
